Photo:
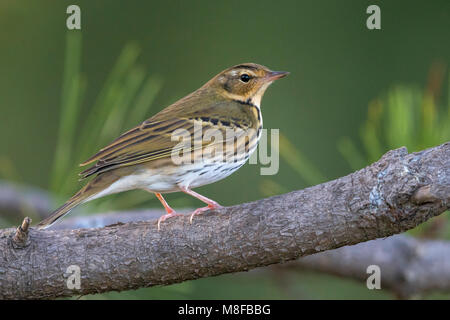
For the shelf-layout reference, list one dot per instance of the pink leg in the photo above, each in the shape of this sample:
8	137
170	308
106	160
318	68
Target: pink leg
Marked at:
211	204
169	210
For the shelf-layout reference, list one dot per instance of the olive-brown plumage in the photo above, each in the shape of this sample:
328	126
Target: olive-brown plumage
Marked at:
142	158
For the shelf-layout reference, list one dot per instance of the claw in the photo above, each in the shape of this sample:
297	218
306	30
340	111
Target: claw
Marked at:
200	210
167	216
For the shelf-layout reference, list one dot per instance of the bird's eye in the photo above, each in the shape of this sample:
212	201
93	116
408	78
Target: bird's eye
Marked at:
245	77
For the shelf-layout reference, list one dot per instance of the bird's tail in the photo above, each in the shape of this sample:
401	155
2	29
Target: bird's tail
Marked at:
88	192
62	211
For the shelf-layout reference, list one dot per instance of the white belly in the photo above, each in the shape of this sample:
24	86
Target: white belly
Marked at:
161	181
200	175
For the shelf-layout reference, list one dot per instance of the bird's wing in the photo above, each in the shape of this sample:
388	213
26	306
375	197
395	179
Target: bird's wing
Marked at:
152	140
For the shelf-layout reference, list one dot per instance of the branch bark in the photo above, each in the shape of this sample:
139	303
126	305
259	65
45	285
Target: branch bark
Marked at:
395	194
410	267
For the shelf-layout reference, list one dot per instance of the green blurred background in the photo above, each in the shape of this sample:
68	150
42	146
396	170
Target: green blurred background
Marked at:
353	94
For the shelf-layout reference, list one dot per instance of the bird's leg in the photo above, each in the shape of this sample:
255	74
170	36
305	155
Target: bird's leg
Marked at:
170	212
211	204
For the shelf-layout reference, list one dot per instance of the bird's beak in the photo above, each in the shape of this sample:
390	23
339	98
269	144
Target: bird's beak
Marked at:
275	75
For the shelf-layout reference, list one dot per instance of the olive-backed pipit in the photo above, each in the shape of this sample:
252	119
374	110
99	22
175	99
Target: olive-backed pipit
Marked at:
151	157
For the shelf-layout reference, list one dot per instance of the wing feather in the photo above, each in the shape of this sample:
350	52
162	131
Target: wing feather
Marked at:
152	140
147	142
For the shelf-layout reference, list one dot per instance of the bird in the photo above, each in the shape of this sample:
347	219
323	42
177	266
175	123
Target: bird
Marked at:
151	157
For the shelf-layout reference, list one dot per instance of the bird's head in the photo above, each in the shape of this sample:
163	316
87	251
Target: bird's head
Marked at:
245	82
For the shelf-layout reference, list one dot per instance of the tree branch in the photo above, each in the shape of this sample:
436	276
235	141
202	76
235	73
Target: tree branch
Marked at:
17	200
409	267
395	194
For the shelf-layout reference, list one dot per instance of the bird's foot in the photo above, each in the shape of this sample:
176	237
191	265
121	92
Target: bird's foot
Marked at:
210	206
167	216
